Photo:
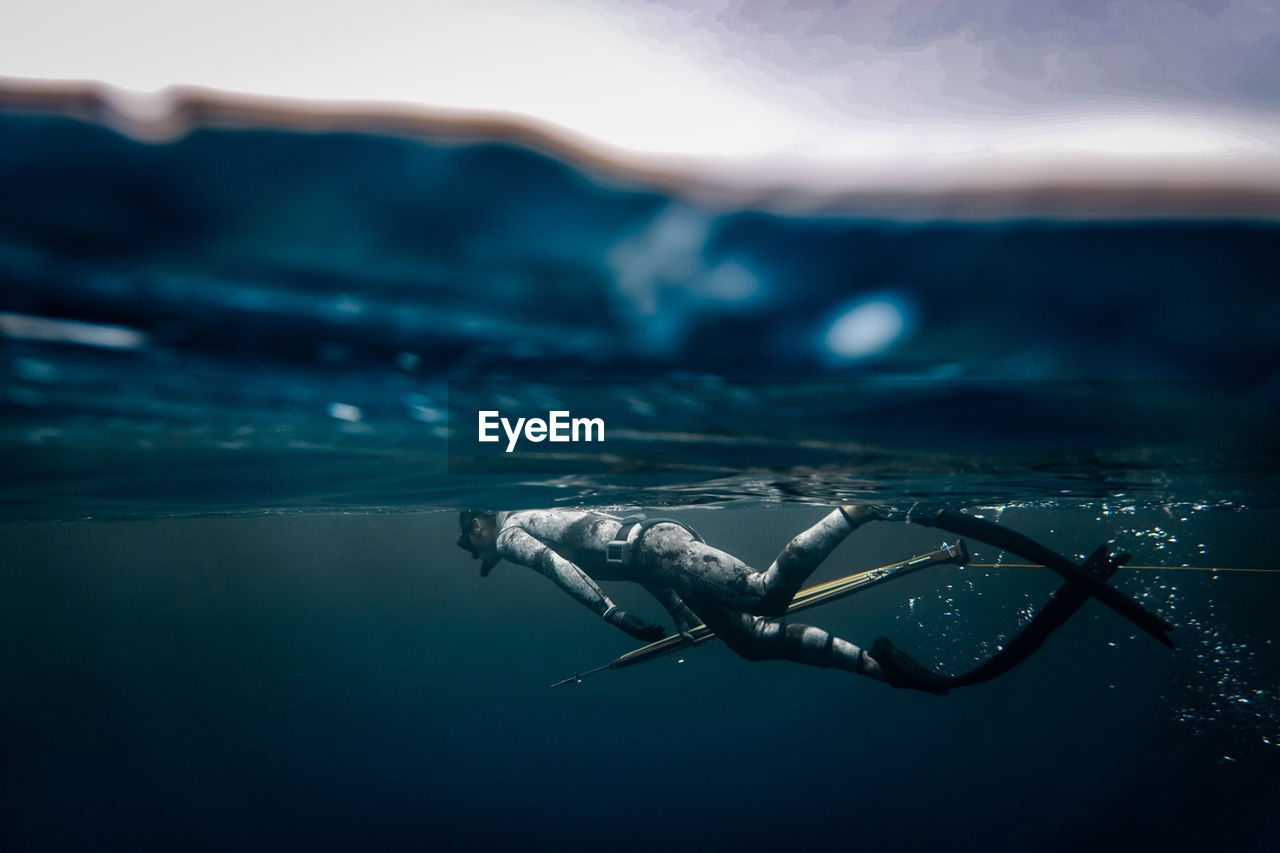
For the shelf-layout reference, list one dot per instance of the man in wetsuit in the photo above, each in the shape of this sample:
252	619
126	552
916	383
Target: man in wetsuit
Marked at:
694	581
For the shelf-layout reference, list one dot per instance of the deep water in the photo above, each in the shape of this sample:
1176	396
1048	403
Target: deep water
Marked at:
238	373
333	681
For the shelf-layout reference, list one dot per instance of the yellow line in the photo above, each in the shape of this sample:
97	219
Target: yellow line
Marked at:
1153	568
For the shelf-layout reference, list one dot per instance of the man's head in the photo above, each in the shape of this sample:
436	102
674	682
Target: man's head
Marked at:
479	537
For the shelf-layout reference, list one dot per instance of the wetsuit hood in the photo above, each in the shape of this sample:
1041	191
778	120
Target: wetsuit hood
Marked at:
464	540
465	520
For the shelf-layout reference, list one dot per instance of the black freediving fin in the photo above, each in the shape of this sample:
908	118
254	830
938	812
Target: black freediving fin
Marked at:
902	671
1060	607
1027	548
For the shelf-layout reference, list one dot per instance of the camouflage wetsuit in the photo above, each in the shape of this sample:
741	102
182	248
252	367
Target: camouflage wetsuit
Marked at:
730	597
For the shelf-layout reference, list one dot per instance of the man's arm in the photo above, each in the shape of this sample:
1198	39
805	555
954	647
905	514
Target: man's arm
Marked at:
519	546
685	619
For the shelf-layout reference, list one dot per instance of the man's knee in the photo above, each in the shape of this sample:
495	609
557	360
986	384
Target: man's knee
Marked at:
776	601
754	642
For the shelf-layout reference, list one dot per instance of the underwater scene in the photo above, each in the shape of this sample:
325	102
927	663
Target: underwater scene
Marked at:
243	378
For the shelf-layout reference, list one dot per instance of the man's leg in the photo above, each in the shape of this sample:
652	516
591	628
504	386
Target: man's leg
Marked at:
755	638
671	557
782	580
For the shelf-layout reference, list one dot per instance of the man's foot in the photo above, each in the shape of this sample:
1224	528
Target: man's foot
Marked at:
867	665
901	670
859	513
912	512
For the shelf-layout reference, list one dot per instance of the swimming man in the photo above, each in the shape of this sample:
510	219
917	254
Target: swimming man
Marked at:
694	581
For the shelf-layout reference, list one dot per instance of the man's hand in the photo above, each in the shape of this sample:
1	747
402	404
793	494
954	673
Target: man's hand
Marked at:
634	626
685	623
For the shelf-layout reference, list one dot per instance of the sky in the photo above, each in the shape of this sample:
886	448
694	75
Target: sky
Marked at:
870	94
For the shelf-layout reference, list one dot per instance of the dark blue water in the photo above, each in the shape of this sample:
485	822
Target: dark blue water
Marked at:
350	680
235	372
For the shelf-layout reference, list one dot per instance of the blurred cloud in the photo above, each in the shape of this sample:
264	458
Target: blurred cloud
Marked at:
912	57
867	327
663	279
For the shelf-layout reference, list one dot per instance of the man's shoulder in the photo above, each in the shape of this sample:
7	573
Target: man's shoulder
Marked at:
561	525
520	531
529	518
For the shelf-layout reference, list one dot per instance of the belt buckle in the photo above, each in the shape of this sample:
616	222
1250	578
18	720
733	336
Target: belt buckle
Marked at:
617	553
